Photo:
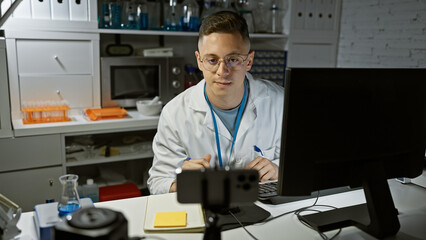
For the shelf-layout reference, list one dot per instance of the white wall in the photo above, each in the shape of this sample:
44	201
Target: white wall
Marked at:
382	33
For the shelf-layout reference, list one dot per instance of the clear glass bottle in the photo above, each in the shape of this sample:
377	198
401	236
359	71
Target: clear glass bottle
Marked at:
171	18
129	16
142	11
190	16
261	20
69	200
208	9
104	21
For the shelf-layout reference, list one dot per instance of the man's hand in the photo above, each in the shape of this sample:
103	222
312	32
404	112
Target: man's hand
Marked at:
197	163
267	169
191	165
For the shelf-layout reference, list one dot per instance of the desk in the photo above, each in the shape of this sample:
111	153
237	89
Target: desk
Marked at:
410	200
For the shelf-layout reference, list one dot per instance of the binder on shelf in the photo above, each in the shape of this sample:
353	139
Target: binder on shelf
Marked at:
60	10
40	9
79	10
168	203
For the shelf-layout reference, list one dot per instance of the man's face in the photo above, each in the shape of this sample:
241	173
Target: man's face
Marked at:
225	81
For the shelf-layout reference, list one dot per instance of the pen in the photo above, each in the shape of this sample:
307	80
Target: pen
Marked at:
257	149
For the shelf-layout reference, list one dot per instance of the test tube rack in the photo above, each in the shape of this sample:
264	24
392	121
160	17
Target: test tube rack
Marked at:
45	114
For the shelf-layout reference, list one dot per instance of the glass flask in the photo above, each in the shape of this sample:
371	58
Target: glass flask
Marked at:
69	200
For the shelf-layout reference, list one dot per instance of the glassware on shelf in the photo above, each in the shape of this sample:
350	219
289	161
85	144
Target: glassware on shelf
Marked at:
105	20
245	8
171	18
208	9
142	13
129	17
275	17
261	20
69	200
190	16
115	13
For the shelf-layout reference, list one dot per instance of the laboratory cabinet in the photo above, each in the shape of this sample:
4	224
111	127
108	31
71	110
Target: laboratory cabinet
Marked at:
53	66
30	167
28	188
57	57
5	124
109	157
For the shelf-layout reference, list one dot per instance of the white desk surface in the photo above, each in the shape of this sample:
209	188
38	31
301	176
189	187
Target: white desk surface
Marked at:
409	199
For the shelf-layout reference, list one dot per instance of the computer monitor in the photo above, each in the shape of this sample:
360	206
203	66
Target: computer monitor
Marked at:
352	127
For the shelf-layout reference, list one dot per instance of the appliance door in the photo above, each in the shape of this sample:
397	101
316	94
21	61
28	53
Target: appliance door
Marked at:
5	124
126	80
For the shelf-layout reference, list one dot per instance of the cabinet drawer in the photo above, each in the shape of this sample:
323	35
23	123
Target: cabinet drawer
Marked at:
29	152
30	187
77	90
54	56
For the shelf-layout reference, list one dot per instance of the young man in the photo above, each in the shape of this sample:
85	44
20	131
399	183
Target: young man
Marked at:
227	119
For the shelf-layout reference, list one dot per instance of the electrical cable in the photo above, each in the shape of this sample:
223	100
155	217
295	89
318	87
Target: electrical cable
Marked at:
249	233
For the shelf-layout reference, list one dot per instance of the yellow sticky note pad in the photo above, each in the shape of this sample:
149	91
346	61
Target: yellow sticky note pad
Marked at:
170	219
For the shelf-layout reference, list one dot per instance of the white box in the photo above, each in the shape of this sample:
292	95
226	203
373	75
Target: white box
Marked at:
79	10
60	9
40	9
23	10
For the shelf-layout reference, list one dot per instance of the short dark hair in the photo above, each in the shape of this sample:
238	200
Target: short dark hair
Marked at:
224	22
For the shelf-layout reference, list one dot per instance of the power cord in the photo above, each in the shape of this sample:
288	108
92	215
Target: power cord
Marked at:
297	212
242	225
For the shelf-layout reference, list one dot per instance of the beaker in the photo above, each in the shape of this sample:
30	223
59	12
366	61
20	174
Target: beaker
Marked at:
69	200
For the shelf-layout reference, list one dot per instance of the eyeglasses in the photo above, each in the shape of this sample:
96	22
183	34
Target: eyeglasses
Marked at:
233	62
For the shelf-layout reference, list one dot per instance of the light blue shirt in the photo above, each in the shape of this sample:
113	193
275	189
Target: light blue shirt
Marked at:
228	117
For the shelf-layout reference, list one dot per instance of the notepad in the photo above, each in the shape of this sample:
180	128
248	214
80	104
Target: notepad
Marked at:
170	219
168	204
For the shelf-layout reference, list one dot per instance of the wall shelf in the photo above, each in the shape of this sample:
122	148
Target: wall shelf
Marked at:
178	33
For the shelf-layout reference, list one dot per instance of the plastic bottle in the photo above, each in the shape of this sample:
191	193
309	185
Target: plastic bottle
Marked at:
90	190
190	16
142	11
190	77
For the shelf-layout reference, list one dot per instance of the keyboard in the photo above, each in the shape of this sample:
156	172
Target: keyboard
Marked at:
268	193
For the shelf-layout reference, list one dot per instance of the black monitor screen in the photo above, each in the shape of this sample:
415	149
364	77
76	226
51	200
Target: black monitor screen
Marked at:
352	127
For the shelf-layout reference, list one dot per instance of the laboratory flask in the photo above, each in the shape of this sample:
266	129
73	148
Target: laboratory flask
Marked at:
69	200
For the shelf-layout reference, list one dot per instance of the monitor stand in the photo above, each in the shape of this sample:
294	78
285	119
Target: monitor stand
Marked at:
378	216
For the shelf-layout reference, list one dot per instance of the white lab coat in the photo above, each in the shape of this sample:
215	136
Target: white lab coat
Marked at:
186	129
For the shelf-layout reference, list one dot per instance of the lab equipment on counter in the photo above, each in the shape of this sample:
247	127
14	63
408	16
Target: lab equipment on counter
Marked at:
89	190
45	111
93	223
46	216
69	200
105	113
149	107
9	217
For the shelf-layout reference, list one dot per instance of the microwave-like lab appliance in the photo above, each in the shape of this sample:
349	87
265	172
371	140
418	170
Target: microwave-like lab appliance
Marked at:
128	79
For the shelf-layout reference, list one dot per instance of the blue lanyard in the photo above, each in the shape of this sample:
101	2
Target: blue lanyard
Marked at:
237	125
